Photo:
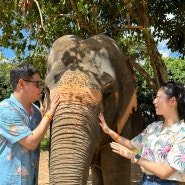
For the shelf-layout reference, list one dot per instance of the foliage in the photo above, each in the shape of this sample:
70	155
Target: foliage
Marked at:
145	96
167	17
44	144
1	56
176	69
5	87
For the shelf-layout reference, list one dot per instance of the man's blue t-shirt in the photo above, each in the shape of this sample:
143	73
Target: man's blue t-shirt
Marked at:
17	164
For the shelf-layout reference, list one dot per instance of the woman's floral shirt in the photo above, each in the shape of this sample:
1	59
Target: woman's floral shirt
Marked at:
166	146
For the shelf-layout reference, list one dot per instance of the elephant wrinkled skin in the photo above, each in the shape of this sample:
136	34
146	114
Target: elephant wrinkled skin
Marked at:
92	76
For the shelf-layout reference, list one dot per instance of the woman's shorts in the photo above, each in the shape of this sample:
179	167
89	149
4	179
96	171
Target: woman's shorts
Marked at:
154	180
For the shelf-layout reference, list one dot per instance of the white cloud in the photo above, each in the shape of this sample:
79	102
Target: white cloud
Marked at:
163	49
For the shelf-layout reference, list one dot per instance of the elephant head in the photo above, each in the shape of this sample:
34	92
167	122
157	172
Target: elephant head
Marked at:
92	76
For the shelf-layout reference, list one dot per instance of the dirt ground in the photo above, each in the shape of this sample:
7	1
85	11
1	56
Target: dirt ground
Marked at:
44	174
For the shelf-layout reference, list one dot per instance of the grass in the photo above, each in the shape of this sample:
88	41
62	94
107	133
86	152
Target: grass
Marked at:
44	144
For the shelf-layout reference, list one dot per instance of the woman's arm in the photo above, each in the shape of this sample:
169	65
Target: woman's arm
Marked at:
115	136
161	170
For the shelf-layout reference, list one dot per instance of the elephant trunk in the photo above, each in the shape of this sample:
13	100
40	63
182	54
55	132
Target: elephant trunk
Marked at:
75	134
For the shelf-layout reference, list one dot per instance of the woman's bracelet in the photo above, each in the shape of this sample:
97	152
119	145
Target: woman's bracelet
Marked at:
50	117
117	137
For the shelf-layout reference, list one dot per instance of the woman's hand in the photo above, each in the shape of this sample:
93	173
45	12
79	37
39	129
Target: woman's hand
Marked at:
122	150
103	124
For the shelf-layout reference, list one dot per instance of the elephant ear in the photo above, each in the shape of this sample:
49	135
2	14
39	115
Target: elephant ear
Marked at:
127	93
125	77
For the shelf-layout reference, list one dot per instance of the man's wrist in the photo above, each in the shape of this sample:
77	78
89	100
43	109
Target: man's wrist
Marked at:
49	116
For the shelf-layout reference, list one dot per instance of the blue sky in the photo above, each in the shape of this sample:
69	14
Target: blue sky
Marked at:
8	53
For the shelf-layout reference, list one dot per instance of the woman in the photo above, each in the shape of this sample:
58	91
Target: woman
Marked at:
162	143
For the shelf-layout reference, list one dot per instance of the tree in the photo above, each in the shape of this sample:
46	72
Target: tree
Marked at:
176	69
45	21
167	17
5	87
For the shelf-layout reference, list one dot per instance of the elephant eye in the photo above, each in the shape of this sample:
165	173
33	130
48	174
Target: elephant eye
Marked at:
107	91
108	97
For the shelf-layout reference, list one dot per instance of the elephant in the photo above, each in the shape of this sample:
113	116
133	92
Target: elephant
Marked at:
91	75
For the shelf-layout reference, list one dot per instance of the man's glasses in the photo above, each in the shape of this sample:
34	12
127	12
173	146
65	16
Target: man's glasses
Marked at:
38	83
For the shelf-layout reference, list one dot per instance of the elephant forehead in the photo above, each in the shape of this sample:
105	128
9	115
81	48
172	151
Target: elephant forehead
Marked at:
76	87
97	61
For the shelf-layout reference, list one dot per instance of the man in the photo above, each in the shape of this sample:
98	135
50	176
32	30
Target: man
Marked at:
17	140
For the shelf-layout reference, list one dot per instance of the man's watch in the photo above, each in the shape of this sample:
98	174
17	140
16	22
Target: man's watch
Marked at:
136	158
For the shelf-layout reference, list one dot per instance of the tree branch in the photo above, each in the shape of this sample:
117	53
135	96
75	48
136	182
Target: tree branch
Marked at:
141	71
80	20
41	18
27	4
